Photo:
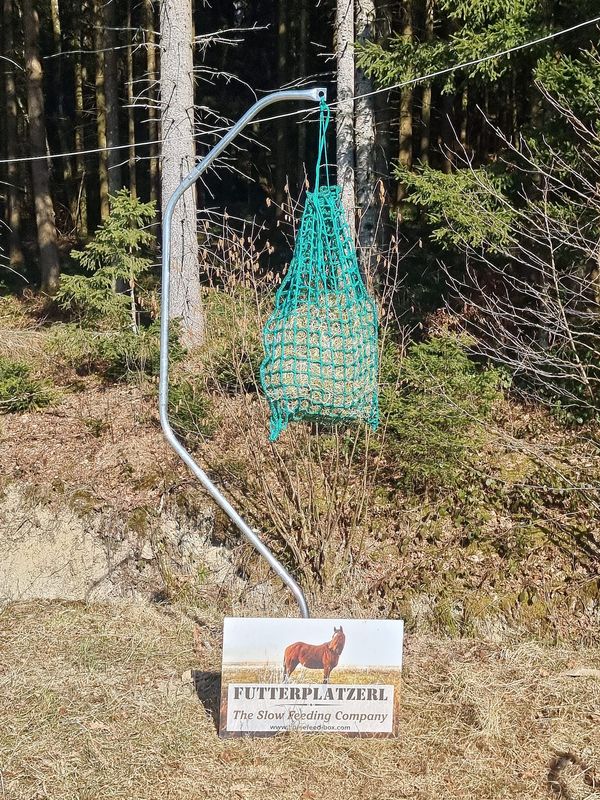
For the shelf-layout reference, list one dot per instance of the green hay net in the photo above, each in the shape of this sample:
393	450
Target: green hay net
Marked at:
321	339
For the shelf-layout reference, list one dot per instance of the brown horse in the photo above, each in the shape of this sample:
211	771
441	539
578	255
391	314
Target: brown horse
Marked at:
314	656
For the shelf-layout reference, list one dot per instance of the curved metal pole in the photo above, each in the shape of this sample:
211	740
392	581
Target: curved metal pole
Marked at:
163	395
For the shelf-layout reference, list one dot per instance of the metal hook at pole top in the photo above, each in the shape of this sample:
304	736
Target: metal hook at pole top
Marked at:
315	95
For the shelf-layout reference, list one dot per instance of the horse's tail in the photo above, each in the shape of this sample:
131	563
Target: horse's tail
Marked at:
287	656
290	659
286	665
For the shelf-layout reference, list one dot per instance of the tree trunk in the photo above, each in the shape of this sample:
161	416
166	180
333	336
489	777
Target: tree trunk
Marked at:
364	137
61	120
130	107
81	214
514	106
151	97
426	125
281	143
405	142
99	43
303	34
13	205
447	133
178	158
344	28
484	129
115	180
426	101
44	210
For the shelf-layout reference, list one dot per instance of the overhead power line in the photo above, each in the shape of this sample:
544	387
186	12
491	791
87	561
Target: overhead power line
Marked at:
411	82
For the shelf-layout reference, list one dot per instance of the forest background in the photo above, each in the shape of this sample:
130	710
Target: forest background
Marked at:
466	144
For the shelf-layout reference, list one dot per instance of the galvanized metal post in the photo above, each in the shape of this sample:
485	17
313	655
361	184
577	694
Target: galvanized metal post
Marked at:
314	95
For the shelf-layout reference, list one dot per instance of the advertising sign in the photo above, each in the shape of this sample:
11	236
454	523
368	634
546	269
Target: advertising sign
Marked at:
312	675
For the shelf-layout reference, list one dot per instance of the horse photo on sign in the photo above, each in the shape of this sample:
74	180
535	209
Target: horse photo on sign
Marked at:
350	683
321	656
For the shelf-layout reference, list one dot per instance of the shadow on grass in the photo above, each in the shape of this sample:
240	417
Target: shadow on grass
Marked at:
558	784
208	689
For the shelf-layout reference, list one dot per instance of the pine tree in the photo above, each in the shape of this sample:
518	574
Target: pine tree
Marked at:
117	256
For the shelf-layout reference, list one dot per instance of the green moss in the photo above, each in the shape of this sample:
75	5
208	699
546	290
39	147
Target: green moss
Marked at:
477	605
591	589
508	601
139	523
535	610
83	502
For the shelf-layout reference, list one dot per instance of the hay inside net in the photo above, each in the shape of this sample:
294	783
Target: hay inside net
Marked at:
321	339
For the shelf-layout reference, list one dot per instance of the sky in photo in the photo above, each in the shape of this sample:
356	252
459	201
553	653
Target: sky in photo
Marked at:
368	642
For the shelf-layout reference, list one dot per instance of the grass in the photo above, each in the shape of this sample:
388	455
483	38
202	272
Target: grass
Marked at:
93	705
273	673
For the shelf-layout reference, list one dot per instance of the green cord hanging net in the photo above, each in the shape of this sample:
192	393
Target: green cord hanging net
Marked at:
321	339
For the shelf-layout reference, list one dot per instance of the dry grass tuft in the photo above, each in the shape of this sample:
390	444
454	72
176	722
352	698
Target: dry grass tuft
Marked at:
25	345
93	706
22	333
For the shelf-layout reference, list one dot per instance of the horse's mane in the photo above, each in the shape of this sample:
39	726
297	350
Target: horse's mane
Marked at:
337	649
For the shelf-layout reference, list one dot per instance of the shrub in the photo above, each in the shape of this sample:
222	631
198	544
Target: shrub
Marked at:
72	347
433	402
127	353
527	240
191	411
18	390
233	350
111	353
